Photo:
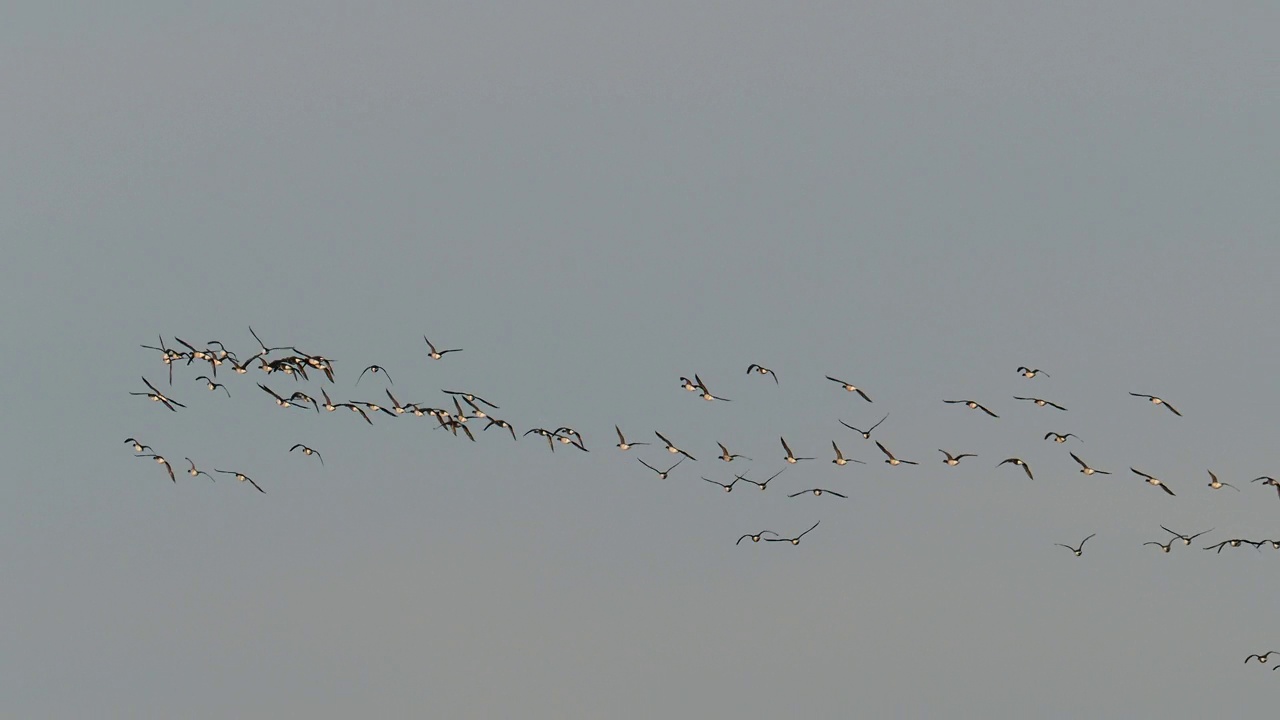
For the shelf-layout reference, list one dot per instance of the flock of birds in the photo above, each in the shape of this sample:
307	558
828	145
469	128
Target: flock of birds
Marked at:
459	408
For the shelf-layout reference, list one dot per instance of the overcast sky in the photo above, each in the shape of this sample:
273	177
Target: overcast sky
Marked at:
593	201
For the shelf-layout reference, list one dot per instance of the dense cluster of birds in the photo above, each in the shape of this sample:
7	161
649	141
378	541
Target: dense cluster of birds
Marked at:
458	408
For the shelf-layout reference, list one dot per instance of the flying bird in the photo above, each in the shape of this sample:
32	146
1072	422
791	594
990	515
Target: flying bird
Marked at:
727	456
972	405
157	396
1031	372
840	458
137	446
1186	539
1215	484
1164	547
866	434
1084	466
163	462
307	451
791	458
954	459
1261	658
1153	480
818	492
375	369
471	398
763	485
1158	401
763	371
672	448
795	540
756	538
241	477
891	459
622	441
1079	548
662	474
437	354
706	394
728	487
1020	463
1040	402
502	424
850	387
1269	481
688	384
211	385
1059	437
193	472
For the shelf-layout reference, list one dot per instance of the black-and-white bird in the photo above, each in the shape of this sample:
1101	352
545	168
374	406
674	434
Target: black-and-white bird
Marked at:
791	458
840	458
762	485
818	492
1079	548
727	456
1158	401
160	459
762	370
1261	658
1031	372
241	477
892	460
1153	480
1040	402
1020	463
850	387
1215	484
211	385
622	441
193	472
1059	437
671	448
727	487
662	474
1084	466
866	434
375	369
157	396
950	459
756	538
972	405
307	451
795	540
1186	539
437	354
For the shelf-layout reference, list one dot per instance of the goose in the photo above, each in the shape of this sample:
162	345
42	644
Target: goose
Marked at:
1186	539
1153	480
662	474
706	394
727	456
550	436
375	369
795	540
279	400
727	488
211	385
850	387
1269	481
241	477
163	462
137	446
791	458
1084	467
1165	547
307	451
1020	463
622	441
818	492
157	396
763	371
1261	658
840	458
672	448
1214	484
688	384
502	424
891	459
756	538
954	459
193	472
1027	372
437	354
1158	401
301	397
764	485
1040	402
972	405
866	434
1060	438
471	398
1079	548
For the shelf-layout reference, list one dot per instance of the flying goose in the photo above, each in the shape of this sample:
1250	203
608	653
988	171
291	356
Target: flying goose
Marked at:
763	371
795	540
850	387
1153	480
307	451
1084	467
866	434
954	459
1158	401
1019	462
891	459
1079	548
972	405
791	458
437	354
1040	402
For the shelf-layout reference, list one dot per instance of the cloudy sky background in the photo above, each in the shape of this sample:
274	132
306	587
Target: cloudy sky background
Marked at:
593	201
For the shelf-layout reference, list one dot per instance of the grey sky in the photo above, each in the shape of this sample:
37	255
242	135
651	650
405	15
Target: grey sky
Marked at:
594	201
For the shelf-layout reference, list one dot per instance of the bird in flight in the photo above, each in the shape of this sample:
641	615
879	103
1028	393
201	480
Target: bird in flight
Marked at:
471	398
137	446
1027	372
375	369
157	396
1059	437
1215	484
622	441
728	487
972	405
1079	548
791	458
1269	481
954	459
765	484
850	387
1020	463
763	371
241	477
866	434
672	448
437	354
840	458
193	472
211	385
1084	466
706	394
502	424
891	459
1153	480
307	451
163	462
727	456
756	538
1164	547
795	540
1186	539
1158	401
688	384
662	474
1040	402
818	492
1261	658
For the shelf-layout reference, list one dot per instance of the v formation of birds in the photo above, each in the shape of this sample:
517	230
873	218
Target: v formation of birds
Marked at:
458	412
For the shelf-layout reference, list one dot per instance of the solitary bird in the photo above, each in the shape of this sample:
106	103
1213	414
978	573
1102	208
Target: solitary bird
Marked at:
866	434
1158	401
662	474
1040	402
850	387
1215	484
1084	466
1153	480
891	459
954	459
763	371
1031	372
795	540
791	458
755	538
437	354
1020	463
1079	548
972	405
307	451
